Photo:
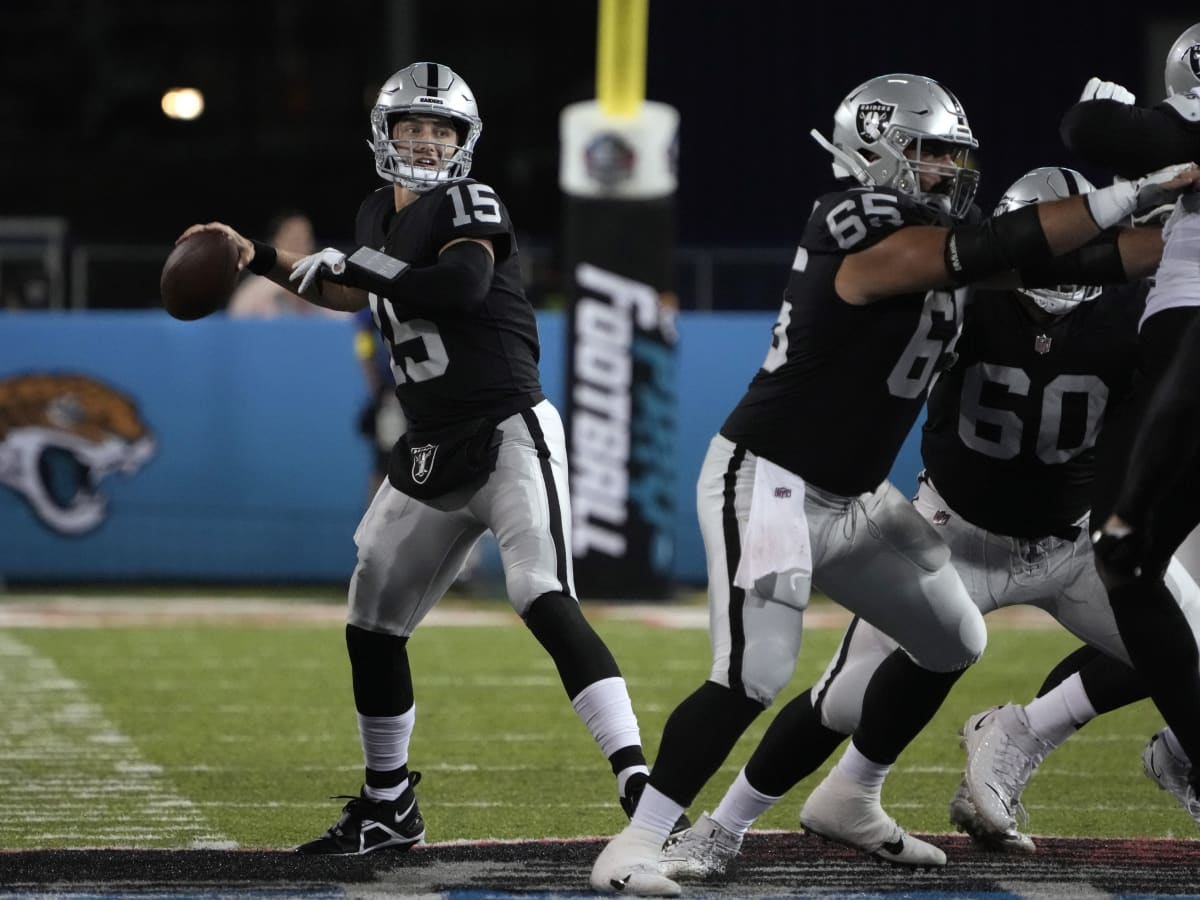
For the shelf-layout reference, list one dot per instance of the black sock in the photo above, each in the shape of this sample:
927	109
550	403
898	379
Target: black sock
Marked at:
795	745
900	700
697	739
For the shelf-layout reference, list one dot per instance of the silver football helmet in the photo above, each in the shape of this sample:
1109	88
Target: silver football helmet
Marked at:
1038	186
428	89
1182	72
884	128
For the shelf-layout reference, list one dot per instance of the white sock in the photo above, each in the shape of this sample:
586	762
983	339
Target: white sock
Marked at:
656	812
1061	711
742	805
384	742
861	770
605	709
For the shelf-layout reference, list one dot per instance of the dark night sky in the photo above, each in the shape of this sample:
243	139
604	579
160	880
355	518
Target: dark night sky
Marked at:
289	84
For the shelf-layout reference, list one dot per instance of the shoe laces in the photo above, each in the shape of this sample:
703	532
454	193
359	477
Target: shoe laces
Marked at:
1013	767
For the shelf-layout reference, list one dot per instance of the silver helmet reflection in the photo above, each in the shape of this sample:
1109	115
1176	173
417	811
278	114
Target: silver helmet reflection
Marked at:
1182	71
1038	186
893	129
426	89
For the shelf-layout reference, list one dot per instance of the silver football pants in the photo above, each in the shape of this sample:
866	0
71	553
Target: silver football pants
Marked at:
872	554
1051	573
410	553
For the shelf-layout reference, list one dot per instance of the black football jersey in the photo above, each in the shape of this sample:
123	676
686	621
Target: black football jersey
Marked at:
842	385
458	367
1010	436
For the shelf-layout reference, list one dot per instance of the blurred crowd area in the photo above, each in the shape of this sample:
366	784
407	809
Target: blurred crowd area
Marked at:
97	182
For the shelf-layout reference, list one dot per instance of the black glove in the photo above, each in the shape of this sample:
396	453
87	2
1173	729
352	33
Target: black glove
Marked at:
1119	550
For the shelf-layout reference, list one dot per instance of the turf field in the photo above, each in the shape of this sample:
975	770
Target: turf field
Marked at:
212	724
231	724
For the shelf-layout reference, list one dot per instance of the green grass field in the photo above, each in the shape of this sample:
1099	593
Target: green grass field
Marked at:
194	734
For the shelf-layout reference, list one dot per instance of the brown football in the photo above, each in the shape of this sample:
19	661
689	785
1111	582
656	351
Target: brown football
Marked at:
199	275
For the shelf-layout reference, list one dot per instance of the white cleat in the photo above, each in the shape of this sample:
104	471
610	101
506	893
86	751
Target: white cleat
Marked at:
840	810
629	865
1171	773
705	850
1003	752
965	818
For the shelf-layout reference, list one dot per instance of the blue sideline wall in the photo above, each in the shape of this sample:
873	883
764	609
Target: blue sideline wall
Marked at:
257	471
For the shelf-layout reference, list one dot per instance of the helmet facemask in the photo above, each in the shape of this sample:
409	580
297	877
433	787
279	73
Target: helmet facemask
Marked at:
886	125
951	163
424	89
397	159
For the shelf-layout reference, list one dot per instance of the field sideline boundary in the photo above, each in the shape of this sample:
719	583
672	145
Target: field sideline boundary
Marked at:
67	610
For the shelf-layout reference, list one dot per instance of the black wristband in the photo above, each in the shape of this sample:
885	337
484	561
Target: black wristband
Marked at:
264	259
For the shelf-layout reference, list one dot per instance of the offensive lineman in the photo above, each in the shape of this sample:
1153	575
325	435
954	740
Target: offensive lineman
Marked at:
1008	447
872	309
484	449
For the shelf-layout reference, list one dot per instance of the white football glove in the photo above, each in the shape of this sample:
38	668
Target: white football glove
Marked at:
1096	89
313	267
1127	198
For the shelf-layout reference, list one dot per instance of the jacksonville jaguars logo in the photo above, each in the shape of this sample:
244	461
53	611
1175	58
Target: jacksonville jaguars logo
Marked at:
61	435
422	462
872	120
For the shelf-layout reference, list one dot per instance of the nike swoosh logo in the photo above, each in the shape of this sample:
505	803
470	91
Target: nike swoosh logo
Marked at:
893	847
982	722
618	884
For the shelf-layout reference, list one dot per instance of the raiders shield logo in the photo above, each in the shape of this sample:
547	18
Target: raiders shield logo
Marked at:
872	120
1192	55
422	462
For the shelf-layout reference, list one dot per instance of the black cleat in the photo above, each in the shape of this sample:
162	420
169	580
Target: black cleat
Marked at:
633	793
367	825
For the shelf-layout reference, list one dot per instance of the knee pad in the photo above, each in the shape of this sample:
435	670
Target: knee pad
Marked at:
772	626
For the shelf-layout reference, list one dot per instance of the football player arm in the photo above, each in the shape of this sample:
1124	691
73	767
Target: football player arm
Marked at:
321	292
926	257
920	258
276	265
1129	140
1113	257
459	280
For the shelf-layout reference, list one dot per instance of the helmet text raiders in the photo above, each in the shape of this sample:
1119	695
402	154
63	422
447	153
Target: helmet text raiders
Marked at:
1039	186
426	89
893	129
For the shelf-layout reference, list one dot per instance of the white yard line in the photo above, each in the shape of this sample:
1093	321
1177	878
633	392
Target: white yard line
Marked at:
99	611
61	760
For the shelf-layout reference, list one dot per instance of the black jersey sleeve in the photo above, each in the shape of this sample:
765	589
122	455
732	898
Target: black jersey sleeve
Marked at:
851	220
1130	140
470	209
1096	262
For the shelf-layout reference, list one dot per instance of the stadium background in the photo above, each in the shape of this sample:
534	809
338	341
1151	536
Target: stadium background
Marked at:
96	183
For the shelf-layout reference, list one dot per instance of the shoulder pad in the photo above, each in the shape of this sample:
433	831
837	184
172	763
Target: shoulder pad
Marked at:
854	219
1186	106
